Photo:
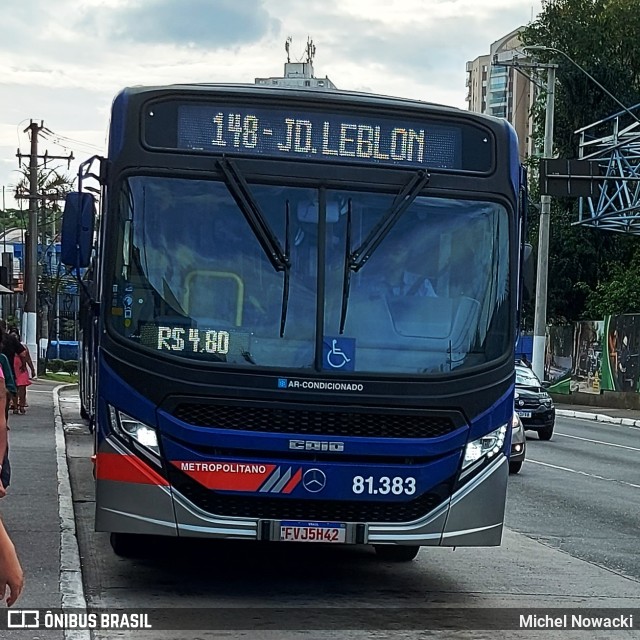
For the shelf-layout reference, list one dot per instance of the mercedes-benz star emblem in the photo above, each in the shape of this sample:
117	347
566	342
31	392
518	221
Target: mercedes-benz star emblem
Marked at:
314	480
521	403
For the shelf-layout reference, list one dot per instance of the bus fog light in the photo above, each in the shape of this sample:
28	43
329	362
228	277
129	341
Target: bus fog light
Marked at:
485	446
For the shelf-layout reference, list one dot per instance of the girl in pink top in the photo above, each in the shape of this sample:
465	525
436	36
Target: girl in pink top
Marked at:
23	380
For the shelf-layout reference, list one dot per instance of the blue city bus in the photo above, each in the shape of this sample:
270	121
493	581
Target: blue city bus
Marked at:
299	318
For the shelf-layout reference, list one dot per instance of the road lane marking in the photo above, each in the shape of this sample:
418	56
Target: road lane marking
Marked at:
583	473
608	444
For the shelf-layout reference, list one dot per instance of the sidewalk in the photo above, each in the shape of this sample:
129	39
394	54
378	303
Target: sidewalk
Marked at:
31	510
627	417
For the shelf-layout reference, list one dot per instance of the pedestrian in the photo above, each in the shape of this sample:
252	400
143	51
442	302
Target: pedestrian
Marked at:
10	346
9	390
22	378
11	575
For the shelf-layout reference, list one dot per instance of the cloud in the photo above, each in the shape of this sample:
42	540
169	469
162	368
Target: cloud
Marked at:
207	24
64	61
412	48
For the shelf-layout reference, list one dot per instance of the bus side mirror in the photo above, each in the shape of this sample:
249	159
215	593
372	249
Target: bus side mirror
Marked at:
77	230
528	278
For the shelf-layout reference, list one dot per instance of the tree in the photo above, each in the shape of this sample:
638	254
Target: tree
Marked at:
620	294
52	188
602	37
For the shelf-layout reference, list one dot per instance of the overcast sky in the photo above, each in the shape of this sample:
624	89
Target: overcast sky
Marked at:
63	61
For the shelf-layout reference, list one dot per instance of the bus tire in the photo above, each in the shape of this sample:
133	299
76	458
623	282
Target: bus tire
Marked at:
125	545
396	552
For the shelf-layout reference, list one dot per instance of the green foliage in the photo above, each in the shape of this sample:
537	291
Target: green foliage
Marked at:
70	366
61	377
619	294
55	365
602	37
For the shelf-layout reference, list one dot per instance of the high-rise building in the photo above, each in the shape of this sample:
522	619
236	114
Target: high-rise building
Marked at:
503	91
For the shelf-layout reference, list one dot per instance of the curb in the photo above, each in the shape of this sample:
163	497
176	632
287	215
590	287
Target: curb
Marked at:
599	417
71	586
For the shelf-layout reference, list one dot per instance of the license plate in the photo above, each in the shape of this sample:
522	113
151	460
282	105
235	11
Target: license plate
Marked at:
524	414
313	532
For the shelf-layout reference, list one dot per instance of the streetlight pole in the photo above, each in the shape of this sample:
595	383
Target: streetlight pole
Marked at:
540	317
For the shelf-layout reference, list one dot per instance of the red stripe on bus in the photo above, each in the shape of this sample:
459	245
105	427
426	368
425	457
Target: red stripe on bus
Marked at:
126	468
291	485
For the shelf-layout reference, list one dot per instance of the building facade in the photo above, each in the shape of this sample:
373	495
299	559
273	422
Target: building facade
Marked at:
498	89
298	74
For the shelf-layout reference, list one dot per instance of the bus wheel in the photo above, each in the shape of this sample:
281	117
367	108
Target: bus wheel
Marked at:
126	545
396	552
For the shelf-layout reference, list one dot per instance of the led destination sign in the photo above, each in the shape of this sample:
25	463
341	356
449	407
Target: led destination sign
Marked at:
206	341
329	137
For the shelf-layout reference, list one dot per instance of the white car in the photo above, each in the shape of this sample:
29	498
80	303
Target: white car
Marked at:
518	444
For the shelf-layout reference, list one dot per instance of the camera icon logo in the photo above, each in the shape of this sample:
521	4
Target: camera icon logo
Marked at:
23	619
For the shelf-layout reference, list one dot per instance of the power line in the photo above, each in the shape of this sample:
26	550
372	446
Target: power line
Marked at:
65	141
29	328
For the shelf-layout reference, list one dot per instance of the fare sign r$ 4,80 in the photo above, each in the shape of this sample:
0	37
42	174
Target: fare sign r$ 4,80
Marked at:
194	340
271	132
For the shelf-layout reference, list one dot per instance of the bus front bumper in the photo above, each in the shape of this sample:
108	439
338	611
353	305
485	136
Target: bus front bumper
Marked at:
139	501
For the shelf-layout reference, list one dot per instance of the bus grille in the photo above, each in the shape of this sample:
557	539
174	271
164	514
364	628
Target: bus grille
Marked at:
315	422
224	504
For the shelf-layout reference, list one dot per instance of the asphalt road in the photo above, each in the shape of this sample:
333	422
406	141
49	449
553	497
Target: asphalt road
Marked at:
526	571
581	493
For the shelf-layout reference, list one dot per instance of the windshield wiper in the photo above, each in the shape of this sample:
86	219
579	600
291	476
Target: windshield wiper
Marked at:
287	272
268	240
356	259
241	193
346	283
400	204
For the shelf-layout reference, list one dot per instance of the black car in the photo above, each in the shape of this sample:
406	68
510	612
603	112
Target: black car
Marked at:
533	404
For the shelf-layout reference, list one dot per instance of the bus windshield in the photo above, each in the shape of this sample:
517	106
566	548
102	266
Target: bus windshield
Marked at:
191	278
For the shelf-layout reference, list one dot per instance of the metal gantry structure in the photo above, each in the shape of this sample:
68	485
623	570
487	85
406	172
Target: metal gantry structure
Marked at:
614	145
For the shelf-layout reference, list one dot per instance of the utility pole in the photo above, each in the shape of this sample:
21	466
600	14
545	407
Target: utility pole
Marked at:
30	310
540	315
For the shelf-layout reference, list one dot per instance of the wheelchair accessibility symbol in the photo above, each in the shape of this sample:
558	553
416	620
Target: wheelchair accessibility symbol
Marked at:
339	353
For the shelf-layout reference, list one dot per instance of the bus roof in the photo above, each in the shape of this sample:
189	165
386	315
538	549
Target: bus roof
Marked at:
321	93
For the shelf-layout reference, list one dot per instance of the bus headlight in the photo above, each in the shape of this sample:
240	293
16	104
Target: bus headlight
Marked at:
134	430
487	446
